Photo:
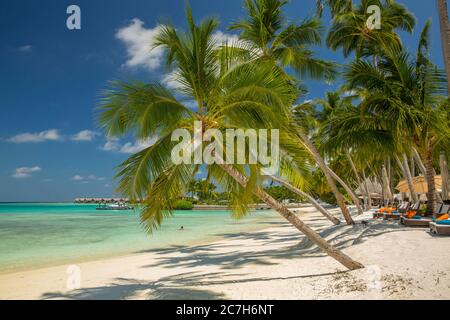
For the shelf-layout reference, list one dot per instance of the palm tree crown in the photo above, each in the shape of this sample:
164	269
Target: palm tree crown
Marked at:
268	35
351	32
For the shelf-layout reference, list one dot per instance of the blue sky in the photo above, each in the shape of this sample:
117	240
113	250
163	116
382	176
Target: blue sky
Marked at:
51	79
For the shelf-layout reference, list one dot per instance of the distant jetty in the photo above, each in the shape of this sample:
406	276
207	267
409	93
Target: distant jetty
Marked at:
101	200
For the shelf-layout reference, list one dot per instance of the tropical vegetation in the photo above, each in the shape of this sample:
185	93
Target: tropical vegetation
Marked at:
388	119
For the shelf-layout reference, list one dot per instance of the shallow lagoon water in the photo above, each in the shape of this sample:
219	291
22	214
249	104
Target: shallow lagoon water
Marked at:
39	235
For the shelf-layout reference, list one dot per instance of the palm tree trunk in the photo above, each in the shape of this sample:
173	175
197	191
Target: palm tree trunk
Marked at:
418	159
424	170
295	221
321	163
383	188
308	197
445	35
431	194
369	197
386	183
444	175
391	180
358	179
352	194
407	174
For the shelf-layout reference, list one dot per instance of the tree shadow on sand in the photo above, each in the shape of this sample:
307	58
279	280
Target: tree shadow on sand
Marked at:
235	256
176	287
297	246
166	288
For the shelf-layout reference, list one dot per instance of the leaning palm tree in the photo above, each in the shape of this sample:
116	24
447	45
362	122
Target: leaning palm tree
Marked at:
268	37
325	109
227	96
445	35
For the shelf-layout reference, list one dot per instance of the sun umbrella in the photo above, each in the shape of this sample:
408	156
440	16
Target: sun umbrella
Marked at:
420	184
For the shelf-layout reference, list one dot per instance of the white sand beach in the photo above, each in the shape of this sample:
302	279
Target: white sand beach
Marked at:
274	263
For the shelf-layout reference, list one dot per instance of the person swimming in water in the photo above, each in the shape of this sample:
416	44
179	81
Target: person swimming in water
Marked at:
182	228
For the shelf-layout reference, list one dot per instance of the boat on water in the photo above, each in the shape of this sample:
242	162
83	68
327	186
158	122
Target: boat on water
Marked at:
114	206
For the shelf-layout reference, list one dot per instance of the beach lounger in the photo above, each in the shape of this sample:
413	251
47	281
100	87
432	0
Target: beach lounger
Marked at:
380	213
402	209
424	222
439	228
411	212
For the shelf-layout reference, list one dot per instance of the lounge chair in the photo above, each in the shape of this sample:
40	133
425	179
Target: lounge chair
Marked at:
440	227
402	209
411	212
424	222
380	213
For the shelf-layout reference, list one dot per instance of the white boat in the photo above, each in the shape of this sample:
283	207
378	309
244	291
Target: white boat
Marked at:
114	206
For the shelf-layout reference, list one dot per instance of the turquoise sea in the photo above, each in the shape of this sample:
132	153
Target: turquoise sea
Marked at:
38	235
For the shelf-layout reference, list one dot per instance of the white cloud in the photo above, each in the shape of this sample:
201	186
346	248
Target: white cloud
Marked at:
135	147
139	41
170	80
139	44
77	178
114	145
25	172
90	177
223	38
25	48
47	135
48	180
85	135
94	177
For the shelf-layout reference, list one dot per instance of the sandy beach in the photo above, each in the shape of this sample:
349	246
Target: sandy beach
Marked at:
274	263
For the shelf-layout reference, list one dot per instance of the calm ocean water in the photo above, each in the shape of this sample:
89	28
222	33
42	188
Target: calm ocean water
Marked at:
38	235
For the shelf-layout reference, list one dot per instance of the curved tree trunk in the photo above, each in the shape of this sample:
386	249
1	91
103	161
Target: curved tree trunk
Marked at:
444	175
383	188
407	174
386	184
445	35
431	194
308	197
391	180
424	170
321	163
352	194
359	180
295	221
369	197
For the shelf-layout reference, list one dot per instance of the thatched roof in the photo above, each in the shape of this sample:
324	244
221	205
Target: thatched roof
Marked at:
374	187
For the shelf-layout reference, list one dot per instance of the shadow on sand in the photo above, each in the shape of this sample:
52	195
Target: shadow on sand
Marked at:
234	257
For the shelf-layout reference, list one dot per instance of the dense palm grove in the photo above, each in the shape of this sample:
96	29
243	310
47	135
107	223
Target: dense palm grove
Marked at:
389	117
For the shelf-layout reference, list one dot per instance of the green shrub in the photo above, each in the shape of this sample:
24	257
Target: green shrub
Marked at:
183	205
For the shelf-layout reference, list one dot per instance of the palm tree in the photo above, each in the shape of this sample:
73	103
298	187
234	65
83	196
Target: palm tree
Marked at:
269	38
406	96
351	33
444	175
227	96
308	197
445	35
325	109
337	7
